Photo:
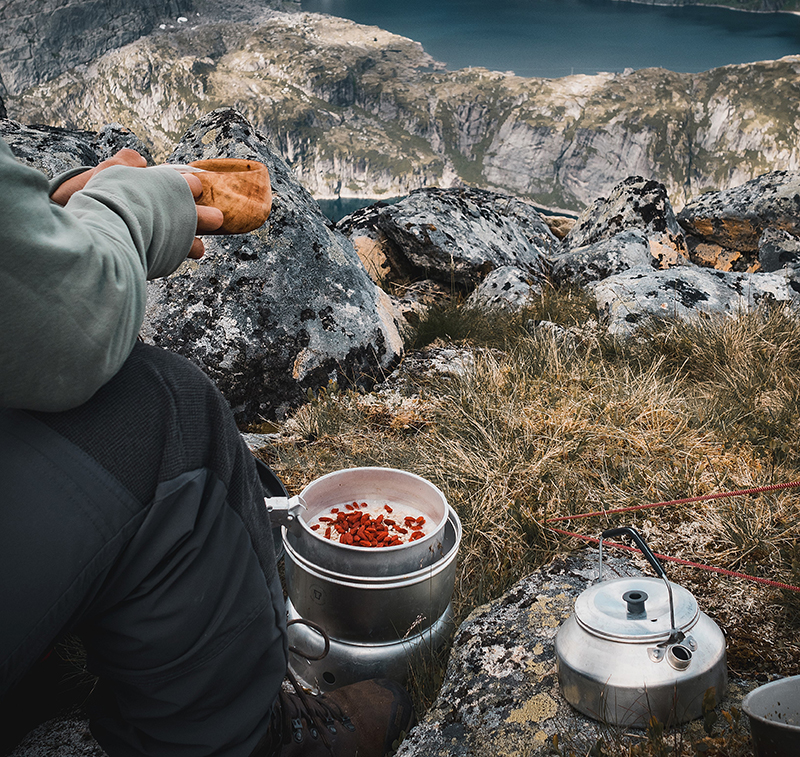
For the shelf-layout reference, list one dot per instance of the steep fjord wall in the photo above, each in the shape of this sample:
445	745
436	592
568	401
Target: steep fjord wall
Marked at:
357	111
41	39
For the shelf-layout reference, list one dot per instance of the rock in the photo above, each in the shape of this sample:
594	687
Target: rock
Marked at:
559	225
627	300
415	299
455	235
570	337
433	362
256	442
113	137
277	312
500	694
711	255
506	288
735	218
634	203
3	113
623	251
49	149
779	249
52	150
760	6
370	253
41	41
65	736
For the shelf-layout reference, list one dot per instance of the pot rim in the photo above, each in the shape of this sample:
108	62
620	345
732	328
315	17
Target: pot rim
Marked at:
434	531
383	582
747	705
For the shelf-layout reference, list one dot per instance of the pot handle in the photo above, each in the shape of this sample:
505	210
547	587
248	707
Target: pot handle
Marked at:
285	511
637	538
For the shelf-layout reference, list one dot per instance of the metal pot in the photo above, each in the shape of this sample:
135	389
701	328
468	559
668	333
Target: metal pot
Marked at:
637	648
373	609
348	662
774	713
371	626
363	484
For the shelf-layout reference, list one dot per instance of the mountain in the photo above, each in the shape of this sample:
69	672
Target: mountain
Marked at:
357	111
39	41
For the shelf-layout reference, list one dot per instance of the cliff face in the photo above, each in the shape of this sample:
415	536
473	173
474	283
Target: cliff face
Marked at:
40	40
357	111
43	39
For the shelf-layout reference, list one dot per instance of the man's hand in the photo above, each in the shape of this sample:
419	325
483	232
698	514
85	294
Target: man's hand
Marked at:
208	219
124	157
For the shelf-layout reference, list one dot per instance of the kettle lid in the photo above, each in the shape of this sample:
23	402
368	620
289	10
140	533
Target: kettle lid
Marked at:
635	610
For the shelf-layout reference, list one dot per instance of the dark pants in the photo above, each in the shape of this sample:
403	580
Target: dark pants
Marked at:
136	521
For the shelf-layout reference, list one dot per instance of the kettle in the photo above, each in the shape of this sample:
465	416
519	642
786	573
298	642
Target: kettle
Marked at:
637	648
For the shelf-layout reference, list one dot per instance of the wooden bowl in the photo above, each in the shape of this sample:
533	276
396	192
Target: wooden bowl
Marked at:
239	188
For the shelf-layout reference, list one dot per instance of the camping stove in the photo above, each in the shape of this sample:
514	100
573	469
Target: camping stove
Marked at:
378	609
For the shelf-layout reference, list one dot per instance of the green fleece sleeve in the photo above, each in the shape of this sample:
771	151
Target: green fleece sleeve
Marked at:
73	280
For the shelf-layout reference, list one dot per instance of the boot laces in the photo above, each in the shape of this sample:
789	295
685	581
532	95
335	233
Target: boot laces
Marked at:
323	717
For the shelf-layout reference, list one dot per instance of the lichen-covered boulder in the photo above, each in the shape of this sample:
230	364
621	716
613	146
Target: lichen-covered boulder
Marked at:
277	312
506	288
634	203
456	236
735	218
627	300
712	255
779	249
53	150
500	695
597	261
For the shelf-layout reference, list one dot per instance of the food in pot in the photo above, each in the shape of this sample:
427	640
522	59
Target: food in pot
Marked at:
363	524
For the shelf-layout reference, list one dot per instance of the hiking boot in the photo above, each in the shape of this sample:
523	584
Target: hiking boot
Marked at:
366	719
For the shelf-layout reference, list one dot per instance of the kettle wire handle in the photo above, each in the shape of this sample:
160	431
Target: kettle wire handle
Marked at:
637	537
675	635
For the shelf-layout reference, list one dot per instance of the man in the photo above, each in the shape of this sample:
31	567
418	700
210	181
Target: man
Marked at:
131	513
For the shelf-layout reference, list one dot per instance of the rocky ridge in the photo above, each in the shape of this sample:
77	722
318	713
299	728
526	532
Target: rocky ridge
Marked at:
356	111
42	41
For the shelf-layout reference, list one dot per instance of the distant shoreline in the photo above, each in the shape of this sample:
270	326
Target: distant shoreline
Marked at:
707	5
607	36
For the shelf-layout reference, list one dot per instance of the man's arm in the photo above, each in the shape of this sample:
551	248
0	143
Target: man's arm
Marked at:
73	279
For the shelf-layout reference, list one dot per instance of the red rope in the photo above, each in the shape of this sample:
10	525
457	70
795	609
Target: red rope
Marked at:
723	571
703	498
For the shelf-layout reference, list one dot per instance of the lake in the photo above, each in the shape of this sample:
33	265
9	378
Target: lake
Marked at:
552	38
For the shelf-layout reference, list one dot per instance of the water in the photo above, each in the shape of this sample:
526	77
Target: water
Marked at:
340	207
552	38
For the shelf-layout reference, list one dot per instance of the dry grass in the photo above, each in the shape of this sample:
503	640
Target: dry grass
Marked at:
540	424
